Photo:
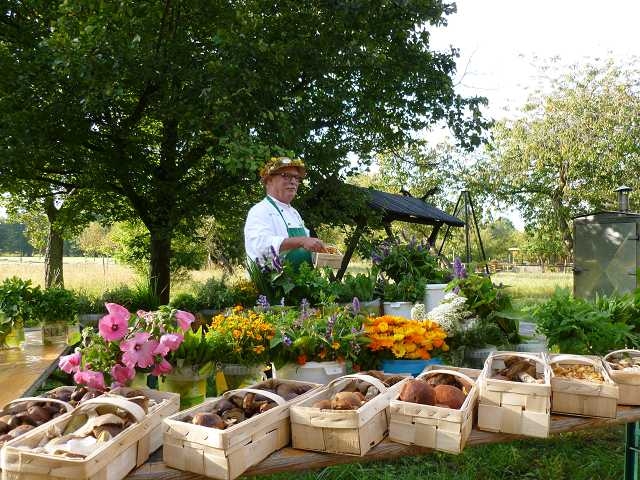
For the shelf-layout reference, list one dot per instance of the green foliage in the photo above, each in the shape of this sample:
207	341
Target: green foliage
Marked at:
214	294
281	282
17	299
132	246
308	334
489	303
187	302
88	303
575	325
567	151
196	349
156	119
55	304
361	286
138	297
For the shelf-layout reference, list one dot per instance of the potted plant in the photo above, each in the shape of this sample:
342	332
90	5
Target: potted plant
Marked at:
16	303
56	309
127	347
401	345
313	344
361	286
90	308
240	339
406	270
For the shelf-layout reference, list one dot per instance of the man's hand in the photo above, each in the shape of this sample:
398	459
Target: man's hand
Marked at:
313	244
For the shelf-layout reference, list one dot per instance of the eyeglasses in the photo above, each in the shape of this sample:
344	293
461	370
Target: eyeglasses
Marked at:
291	176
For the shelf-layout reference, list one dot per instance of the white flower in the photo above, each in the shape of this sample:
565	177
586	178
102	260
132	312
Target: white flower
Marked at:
451	314
418	312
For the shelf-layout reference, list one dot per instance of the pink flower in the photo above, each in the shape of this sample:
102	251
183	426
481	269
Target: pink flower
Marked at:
90	378
121	374
70	363
139	350
114	325
169	342
161	368
185	319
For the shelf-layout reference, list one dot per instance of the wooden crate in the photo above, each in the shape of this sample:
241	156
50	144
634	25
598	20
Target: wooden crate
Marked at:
514	407
350	432
226	454
332	260
440	428
110	461
628	381
582	397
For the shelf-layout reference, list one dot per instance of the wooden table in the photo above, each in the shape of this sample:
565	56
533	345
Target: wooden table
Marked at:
22	371
290	459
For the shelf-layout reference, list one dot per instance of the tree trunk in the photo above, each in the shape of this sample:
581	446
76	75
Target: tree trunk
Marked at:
53	276
160	275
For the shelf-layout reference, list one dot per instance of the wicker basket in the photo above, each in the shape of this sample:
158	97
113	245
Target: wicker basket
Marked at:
350	432
583	397
628	381
440	428
514	407
112	460
226	454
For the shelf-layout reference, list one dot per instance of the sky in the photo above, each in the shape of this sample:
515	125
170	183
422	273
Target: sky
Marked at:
502	42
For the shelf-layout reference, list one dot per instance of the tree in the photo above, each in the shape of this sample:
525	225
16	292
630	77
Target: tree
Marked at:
570	149
173	105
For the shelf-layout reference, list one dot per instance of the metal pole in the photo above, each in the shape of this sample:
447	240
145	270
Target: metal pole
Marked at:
631	451
475	223
446	233
466	225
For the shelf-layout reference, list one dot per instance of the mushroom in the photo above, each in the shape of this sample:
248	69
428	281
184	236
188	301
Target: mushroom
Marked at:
233	416
207	419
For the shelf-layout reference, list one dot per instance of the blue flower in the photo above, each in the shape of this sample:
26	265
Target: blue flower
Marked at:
262	301
356	305
459	270
287	341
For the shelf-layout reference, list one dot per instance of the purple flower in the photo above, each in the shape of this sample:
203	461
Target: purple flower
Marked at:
287	341
330	324
356	305
275	260
262	301
376	259
459	270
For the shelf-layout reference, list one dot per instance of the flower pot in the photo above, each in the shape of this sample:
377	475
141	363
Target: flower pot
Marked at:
372	307
188	382
398	309
89	319
54	333
433	295
475	357
408	366
315	372
238	376
15	338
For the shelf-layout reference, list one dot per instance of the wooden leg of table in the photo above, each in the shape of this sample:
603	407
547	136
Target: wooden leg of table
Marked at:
631	451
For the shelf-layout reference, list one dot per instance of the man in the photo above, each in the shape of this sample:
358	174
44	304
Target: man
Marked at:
273	224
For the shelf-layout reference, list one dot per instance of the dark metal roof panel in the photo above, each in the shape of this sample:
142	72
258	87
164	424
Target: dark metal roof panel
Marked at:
409	209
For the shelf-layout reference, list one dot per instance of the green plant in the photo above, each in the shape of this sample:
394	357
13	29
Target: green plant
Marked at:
140	297
214	294
87	302
310	334
575	325
17	298
281	282
185	301
361	286
488	302
55	305
406	290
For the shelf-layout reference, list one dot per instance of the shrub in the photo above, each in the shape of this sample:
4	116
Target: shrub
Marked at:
214	294
55	305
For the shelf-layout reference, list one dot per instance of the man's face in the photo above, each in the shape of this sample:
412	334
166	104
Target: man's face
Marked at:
283	185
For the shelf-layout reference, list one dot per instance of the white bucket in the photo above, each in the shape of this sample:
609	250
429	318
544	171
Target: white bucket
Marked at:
433	295
398	309
315	372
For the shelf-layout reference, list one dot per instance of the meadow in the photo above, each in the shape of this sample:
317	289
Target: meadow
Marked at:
589	454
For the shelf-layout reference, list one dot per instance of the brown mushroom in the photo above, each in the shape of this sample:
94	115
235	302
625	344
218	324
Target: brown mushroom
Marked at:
323	404
449	395
221	406
417	391
208	419
39	414
233	416
347	401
